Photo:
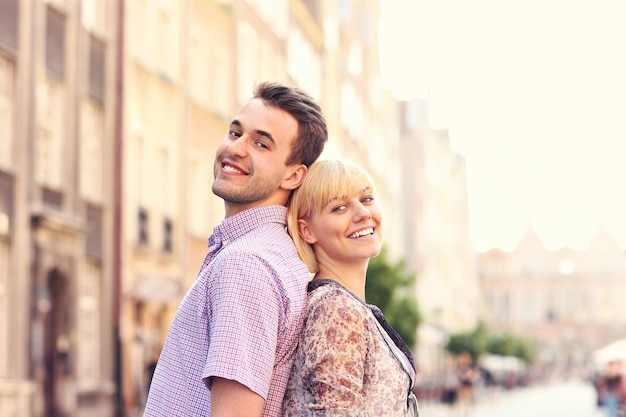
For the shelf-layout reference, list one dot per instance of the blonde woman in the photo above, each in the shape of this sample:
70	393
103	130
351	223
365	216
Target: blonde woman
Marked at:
349	361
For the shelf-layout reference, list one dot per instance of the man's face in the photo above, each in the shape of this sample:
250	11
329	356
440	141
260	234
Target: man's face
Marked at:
250	165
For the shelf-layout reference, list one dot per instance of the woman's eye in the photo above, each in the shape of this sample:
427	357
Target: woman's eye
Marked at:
368	199
338	208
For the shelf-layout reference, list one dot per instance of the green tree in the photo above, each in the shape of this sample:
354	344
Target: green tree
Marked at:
527	350
387	287
503	344
509	344
473	342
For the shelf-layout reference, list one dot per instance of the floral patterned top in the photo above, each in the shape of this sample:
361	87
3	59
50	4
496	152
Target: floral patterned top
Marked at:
343	366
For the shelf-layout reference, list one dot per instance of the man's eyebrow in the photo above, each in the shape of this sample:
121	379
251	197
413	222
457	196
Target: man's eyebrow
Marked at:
266	135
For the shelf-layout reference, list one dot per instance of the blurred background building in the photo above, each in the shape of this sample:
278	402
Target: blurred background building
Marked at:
58	198
571	301
110	113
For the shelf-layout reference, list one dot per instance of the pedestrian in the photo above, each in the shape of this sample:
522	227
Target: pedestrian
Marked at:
612	390
467	378
232	341
349	361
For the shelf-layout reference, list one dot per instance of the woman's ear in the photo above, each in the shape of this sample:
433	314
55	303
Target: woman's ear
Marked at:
295	176
305	232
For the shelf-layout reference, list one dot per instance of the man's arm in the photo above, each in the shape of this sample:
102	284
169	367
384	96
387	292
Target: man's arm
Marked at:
231	399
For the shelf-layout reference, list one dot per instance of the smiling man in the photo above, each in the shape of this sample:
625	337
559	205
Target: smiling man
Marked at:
232	342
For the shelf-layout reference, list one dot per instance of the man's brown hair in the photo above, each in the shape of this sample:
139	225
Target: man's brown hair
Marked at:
312	130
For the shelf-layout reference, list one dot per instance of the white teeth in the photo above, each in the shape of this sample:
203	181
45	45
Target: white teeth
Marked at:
230	168
364	232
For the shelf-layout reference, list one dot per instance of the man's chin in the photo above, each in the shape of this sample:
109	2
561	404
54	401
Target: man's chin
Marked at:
218	189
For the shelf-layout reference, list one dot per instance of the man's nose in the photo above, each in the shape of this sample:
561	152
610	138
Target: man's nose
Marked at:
239	146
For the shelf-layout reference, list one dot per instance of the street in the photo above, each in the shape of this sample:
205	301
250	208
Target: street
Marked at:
563	399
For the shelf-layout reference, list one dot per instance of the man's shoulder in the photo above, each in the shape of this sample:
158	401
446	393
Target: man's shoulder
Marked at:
267	235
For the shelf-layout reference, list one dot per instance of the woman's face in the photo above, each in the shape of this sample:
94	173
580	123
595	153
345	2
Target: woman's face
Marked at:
347	229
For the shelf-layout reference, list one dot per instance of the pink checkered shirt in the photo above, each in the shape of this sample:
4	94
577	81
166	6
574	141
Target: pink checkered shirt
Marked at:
240	320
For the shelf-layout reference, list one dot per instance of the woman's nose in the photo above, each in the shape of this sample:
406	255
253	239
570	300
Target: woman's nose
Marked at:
362	212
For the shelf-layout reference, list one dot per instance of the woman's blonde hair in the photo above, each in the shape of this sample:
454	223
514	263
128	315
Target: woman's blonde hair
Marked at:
325	181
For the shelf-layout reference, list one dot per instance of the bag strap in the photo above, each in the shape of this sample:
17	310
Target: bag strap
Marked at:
401	357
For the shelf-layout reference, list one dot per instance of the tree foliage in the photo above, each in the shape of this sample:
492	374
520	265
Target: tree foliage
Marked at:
508	344
387	287
472	342
480	341
503	344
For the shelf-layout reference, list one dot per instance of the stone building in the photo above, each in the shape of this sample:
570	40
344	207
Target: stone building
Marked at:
110	114
570	301
57	207
436	236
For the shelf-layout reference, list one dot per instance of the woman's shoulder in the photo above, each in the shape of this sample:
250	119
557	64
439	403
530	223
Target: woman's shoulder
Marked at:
333	299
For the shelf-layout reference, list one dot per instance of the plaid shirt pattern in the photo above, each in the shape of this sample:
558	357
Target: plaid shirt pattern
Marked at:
240	320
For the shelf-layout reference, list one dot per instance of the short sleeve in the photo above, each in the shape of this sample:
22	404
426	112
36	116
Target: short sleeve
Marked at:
245	315
336	348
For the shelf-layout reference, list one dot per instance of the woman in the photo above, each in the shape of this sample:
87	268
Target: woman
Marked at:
349	361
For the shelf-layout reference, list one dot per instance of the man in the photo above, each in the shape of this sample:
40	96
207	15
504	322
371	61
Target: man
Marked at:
232	342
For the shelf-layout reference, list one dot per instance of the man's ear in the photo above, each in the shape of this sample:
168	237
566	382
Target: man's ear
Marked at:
295	176
305	232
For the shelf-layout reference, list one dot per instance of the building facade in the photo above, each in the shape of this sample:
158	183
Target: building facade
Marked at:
570	301
436	237
57	114
110	114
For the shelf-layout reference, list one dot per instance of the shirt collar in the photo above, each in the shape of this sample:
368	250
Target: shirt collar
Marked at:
235	226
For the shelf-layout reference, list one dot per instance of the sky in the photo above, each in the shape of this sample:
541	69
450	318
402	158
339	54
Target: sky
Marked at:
533	93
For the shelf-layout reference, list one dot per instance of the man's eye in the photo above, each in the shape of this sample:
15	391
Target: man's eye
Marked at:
261	145
234	133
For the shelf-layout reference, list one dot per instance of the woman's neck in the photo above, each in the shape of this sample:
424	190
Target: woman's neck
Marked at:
353	279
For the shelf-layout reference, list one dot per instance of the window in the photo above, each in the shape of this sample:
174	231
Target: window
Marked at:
168	245
49	139
88	324
314	8
219	77
165	180
97	52
93	15
9	22
198	65
91	176
199	200
6	112
5	262
94	232
247	59
166	39
55	44
52	199
304	63
142	227
141	46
